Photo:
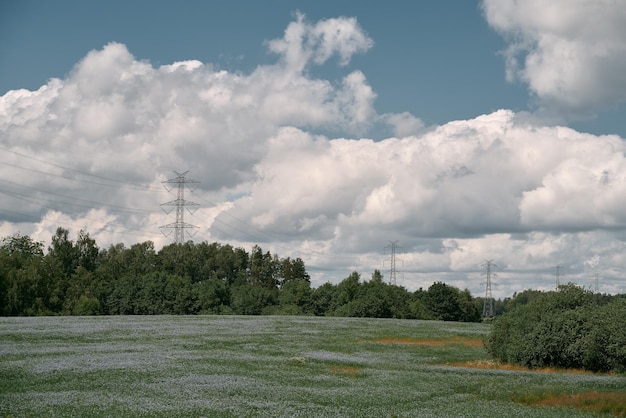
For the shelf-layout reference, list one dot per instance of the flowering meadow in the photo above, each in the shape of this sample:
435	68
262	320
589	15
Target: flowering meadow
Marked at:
277	366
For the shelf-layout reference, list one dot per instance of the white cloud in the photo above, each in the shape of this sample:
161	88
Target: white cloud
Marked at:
466	190
404	124
90	152
305	43
572	55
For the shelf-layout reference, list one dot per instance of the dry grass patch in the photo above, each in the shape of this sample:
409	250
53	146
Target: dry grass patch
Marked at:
348	371
611	403
491	364
433	342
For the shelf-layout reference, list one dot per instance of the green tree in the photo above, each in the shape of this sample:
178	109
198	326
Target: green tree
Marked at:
213	296
68	270
81	287
372	301
563	329
325	299
291	270
443	301
87	251
232	265
521	298
86	305
185	260
263	268
248	299
22	290
117	278
419	306
180	297
112	266
124	295
448	303
401	302
377	276
470	308
62	250
348	288
150	296
141	258
296	297
605	343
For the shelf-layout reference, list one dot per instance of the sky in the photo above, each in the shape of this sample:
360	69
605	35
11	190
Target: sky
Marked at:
461	131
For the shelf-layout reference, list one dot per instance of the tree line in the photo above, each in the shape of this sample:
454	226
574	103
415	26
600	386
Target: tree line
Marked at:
76	277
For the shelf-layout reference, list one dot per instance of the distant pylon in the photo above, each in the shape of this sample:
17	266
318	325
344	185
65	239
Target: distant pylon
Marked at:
488	311
392	261
180	204
557	274
596	277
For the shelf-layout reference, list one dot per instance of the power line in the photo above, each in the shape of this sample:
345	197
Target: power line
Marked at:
71	198
249	226
109	226
120	182
259	234
89	204
47	173
252	232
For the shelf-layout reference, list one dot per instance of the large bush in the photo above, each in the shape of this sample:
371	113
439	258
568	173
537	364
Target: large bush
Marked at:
565	329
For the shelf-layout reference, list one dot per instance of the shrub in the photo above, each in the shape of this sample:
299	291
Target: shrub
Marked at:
87	306
565	329
606	343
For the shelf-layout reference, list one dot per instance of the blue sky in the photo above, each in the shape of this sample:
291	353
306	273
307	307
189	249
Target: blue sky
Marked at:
323	130
438	60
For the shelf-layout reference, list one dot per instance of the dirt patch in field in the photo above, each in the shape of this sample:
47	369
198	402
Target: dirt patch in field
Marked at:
607	403
490	364
432	342
348	371
611	403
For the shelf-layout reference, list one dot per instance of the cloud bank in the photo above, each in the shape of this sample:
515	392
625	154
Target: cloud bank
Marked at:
572	55
91	151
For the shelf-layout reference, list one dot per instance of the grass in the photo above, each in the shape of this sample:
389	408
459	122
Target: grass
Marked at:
234	366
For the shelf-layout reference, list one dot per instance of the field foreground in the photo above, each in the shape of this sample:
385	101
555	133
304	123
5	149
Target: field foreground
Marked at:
268	366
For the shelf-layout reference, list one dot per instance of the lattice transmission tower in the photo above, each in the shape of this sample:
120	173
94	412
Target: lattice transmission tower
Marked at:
596	281
180	205
488	310
557	275
394	247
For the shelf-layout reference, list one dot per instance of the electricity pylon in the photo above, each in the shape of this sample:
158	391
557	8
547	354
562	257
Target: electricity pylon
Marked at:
557	274
392	268
180	204
488	311
596	278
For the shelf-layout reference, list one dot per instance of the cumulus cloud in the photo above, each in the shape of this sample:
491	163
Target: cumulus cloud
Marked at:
91	151
403	124
572	55
305	43
458	193
491	174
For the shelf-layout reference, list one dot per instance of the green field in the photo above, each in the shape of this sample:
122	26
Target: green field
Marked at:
268	366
